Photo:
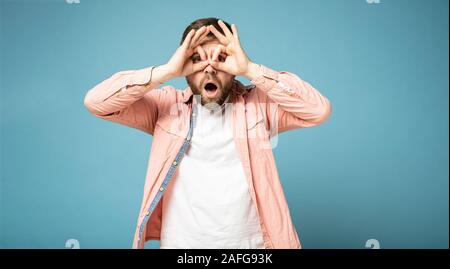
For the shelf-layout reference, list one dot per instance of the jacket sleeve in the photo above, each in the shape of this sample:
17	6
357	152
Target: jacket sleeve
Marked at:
290	102
127	97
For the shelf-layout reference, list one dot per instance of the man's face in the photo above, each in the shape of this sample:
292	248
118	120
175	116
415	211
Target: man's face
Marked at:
213	85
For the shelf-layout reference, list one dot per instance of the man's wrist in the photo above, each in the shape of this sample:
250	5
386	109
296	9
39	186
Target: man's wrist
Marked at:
253	71
161	74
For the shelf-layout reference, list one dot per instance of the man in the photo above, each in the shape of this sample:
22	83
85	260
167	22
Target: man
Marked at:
212	180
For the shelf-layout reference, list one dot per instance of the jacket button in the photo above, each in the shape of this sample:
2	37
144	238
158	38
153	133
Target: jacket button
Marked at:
160	189
175	163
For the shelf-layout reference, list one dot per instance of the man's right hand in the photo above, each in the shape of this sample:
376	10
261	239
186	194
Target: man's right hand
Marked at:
180	64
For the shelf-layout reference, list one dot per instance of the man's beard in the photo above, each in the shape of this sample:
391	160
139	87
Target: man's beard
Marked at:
224	91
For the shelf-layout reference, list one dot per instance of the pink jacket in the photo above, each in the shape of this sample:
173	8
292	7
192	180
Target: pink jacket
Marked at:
274	103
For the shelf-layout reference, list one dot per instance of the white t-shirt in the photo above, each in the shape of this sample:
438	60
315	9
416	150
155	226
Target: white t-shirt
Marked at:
207	203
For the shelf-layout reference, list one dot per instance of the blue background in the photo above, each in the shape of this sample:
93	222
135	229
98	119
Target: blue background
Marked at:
378	168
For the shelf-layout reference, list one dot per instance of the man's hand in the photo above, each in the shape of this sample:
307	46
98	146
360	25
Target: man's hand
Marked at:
179	65
236	62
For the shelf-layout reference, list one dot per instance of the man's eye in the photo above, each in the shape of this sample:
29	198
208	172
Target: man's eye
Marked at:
221	58
195	59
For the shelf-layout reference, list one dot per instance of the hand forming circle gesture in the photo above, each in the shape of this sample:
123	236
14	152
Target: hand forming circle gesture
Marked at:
237	62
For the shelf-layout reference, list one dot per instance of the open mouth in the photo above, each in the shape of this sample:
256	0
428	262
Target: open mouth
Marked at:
211	90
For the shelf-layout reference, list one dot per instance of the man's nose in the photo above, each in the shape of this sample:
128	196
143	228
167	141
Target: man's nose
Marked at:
209	69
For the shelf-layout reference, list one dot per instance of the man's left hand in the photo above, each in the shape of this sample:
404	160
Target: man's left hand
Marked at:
235	61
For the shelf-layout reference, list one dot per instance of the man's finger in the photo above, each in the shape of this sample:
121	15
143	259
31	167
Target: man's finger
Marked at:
200	41
218	65
200	66
217	51
199	49
198	33
188	38
225	29
202	38
222	39
235	32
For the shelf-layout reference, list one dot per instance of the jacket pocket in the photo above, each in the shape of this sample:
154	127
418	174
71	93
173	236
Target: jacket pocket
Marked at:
171	124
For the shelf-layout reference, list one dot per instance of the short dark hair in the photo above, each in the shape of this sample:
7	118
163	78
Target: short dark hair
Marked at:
197	24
